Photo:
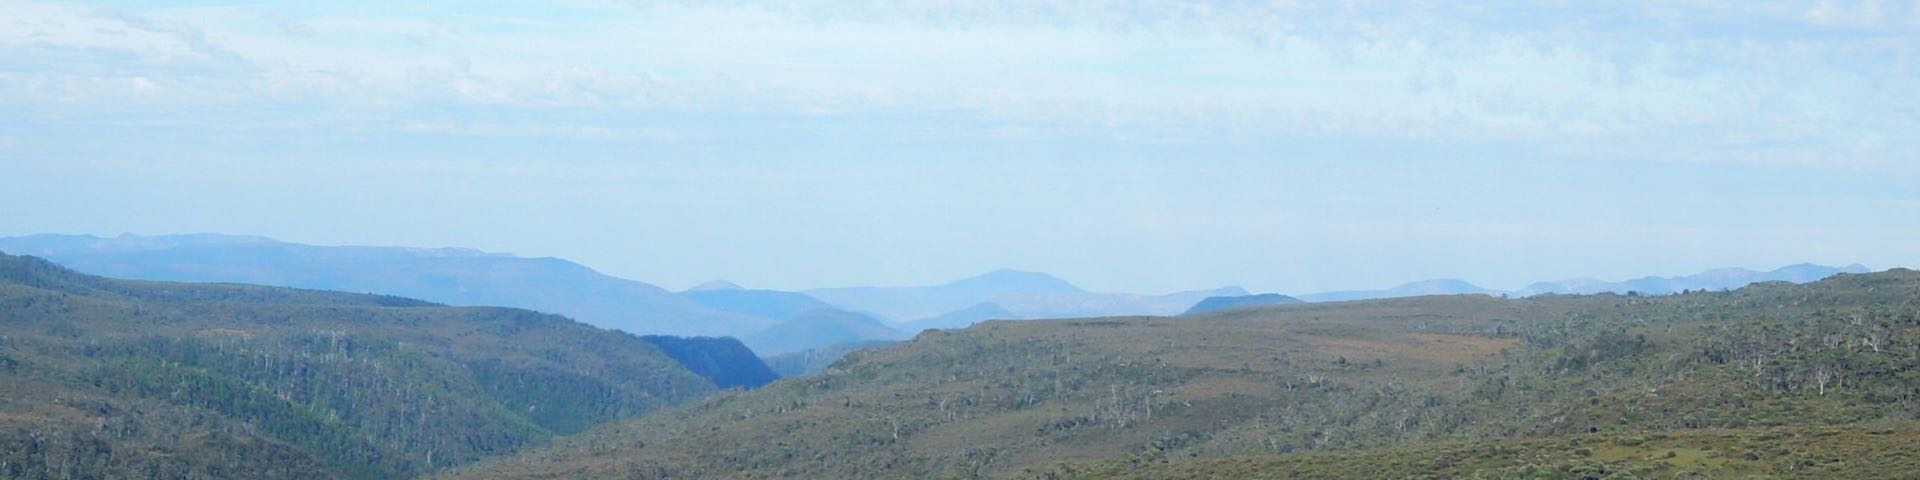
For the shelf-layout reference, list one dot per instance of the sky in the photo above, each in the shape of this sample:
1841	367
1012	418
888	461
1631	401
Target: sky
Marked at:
1141	146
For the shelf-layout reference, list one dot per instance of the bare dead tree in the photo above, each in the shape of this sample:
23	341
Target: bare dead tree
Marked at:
1823	375
1874	340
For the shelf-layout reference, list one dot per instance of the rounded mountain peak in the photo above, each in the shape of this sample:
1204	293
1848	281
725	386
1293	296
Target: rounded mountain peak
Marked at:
713	285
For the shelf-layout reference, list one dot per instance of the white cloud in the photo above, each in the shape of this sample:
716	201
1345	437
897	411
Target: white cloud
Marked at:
1865	13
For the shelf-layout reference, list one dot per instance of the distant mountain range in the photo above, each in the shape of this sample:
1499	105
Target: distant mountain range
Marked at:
769	320
1444	286
1718	279
470	277
444	275
1030	295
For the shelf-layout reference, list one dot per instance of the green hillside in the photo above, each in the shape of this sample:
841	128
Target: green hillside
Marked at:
1874	450
1603	386
103	378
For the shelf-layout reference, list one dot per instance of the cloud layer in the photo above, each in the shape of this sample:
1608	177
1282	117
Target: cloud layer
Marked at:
1799	83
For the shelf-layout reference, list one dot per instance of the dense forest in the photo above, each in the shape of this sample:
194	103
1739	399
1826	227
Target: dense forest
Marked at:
1775	379
103	378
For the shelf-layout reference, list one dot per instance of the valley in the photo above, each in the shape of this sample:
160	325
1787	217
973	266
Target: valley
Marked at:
287	383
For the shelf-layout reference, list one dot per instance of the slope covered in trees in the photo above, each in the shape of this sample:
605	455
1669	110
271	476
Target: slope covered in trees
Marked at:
1732	383
104	378
1873	450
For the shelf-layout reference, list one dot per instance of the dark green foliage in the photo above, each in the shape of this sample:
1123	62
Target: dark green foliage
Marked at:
103	378
722	360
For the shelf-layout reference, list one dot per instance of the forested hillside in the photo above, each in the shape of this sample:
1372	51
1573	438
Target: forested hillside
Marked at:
104	378
1770	380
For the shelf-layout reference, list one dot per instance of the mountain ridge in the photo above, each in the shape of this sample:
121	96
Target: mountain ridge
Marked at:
454	276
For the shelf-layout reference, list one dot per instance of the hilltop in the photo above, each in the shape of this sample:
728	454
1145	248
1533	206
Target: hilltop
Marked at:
1221	303
1330	387
107	378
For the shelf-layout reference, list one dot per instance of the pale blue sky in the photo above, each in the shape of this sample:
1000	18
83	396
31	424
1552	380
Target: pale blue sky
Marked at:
1136	146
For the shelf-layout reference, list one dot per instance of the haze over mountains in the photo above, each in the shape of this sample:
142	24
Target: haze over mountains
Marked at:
772	320
1719	279
1444	286
771	304
1027	294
